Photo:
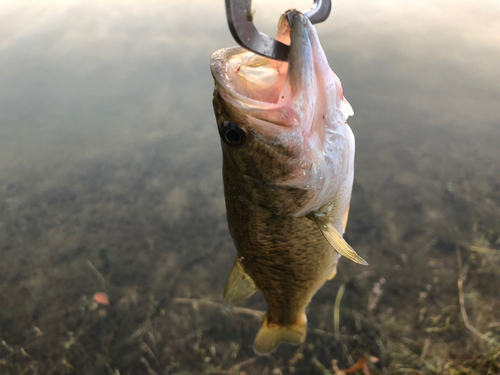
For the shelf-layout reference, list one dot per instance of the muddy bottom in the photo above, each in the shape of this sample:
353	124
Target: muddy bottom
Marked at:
110	182
152	235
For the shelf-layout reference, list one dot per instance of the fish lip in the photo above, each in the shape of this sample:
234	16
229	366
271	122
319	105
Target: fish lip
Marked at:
292	14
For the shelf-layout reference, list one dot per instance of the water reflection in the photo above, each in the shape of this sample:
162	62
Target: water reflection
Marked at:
110	181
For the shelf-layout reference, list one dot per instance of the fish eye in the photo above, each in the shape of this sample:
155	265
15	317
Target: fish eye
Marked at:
232	134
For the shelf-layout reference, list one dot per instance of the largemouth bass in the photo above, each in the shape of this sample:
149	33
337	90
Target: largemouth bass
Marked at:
288	167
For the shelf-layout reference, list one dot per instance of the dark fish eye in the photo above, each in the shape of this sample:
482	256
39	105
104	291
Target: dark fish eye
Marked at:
232	134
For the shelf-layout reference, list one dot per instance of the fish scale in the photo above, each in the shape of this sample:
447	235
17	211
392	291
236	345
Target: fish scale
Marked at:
280	241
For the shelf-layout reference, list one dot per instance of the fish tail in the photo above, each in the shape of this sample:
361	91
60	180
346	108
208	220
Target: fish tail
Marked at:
271	335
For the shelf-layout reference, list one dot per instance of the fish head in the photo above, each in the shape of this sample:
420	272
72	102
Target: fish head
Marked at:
286	144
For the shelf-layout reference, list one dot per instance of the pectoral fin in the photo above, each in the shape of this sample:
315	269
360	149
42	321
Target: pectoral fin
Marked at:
336	240
334	272
239	286
346	215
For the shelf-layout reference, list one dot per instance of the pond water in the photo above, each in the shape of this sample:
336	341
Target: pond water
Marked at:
110	182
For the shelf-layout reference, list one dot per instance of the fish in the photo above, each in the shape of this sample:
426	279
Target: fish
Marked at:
288	169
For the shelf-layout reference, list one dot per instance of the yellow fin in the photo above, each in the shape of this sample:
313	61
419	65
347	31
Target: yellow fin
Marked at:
270	336
334	272
239	286
337	241
346	215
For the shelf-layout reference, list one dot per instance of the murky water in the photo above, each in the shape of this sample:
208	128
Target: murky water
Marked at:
110	181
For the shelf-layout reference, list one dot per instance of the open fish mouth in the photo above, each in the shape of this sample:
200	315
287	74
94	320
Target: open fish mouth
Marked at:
287	93
249	76
257	80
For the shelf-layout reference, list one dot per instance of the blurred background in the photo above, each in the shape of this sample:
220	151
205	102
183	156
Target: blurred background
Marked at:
110	182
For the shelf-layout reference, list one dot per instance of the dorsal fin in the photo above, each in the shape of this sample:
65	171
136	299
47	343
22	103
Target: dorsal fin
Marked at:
336	240
239	286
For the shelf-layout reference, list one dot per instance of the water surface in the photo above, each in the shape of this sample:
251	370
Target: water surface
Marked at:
110	181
